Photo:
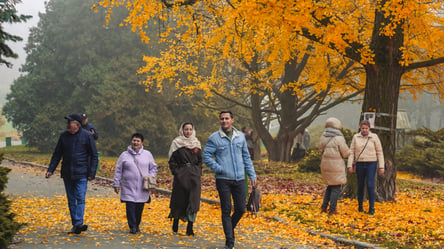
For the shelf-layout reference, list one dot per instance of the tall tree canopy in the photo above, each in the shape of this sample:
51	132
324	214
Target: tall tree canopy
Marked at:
8	14
75	64
397	43
294	88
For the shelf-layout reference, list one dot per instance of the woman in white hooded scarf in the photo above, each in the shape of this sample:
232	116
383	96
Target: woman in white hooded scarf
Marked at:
185	162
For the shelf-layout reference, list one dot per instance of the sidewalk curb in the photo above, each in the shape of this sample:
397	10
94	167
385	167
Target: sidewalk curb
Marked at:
348	242
158	190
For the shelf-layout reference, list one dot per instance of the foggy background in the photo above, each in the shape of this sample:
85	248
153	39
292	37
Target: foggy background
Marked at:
347	113
27	7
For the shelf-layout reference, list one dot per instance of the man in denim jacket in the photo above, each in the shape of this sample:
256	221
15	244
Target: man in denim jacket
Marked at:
226	153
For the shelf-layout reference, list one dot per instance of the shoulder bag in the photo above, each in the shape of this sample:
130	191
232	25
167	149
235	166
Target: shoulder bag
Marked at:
149	182
355	160
323	149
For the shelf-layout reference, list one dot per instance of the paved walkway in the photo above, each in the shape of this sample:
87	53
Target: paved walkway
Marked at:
26	182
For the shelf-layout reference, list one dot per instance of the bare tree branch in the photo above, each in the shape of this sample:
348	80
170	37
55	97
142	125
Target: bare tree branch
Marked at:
422	64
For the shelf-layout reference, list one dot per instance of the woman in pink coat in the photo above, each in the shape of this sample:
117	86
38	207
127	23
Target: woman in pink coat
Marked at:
129	181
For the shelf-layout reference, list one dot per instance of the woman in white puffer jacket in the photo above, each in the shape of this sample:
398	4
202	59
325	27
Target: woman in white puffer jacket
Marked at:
334	149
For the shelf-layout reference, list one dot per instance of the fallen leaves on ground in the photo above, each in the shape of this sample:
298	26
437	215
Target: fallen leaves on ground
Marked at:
107	215
415	220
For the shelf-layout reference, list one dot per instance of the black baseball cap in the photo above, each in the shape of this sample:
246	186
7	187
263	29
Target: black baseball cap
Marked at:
75	117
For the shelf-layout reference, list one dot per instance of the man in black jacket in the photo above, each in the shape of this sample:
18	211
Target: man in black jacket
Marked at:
77	148
89	127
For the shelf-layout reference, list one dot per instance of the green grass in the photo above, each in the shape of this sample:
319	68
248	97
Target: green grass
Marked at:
263	167
23	153
429	189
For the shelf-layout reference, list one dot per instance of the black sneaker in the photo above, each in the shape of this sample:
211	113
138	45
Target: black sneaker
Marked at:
80	228
73	229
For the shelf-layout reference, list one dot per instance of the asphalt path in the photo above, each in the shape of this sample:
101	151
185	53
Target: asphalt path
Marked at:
24	182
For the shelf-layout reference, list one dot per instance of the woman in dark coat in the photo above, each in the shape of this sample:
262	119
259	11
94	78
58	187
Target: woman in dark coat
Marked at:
186	165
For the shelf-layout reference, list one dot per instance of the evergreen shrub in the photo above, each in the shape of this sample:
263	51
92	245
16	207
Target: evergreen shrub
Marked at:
425	156
8	227
311	161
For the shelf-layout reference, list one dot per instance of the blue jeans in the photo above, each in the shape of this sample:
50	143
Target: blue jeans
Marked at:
75	192
228	189
366	172
331	196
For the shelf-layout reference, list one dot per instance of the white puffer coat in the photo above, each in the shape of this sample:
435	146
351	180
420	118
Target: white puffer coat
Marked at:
333	150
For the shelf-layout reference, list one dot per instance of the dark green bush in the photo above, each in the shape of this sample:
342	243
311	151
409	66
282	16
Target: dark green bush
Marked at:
8	227
425	156
311	161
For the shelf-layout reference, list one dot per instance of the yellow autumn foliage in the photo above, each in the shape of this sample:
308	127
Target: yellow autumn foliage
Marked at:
415	219
226	35
107	216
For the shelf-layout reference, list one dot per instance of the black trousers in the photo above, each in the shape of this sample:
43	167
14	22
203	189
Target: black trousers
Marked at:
134	212
231	189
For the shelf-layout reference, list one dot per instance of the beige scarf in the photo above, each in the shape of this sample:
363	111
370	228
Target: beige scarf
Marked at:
182	141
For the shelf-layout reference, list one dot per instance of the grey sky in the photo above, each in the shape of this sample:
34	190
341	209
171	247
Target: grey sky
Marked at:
7	75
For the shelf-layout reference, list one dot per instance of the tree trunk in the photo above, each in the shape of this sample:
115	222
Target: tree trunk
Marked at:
383	80
257	147
381	96
279	147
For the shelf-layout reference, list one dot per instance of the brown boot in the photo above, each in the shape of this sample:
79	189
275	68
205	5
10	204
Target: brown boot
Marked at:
323	210
333	212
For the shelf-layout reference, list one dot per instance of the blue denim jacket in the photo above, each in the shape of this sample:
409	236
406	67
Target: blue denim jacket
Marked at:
229	159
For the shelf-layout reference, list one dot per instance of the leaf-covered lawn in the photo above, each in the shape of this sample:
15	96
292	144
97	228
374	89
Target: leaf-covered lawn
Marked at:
416	220
107	217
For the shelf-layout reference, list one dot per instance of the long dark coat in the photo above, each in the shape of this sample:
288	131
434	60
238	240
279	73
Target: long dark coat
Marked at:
187	170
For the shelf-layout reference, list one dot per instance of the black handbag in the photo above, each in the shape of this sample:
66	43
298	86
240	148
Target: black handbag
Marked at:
254	201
